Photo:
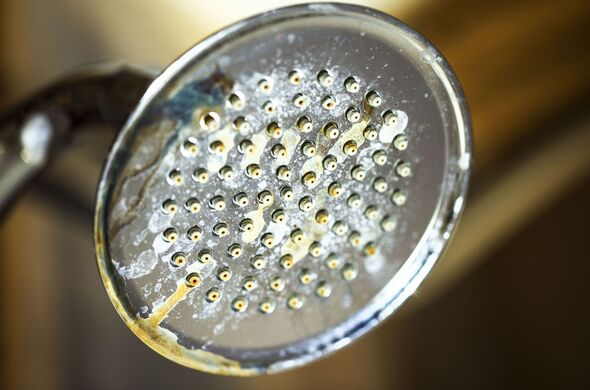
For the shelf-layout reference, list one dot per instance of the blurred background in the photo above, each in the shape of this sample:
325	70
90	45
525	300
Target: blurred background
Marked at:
507	306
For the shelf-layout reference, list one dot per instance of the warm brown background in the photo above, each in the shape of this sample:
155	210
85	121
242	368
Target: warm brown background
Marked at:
506	308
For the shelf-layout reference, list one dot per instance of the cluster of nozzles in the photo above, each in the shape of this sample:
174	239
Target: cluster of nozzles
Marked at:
283	200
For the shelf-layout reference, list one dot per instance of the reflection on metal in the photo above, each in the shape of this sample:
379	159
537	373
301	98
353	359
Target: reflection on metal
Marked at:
25	155
35	139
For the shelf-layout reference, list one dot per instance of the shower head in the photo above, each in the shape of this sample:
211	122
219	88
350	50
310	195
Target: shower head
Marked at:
281	188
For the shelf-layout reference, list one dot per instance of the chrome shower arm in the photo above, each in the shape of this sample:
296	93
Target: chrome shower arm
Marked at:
36	130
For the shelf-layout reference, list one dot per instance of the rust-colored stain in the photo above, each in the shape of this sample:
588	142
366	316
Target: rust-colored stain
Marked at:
163	310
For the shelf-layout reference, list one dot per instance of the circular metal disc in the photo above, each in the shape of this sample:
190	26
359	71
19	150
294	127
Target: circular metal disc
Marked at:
281	188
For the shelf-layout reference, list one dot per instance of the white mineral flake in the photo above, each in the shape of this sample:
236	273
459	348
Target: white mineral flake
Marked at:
354	133
314	232
290	140
158	221
314	164
365	156
167	334
346	300
160	245
375	263
208	310
430	56
280	230
257	217
140	237
387	133
204	270
218	329
259	140
145	262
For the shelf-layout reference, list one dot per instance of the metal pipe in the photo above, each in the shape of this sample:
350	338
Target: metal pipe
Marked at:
34	132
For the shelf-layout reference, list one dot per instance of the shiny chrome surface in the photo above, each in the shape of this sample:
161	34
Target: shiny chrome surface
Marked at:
231	118
41	127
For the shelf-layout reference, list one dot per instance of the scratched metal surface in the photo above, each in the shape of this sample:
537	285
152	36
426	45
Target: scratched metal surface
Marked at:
413	82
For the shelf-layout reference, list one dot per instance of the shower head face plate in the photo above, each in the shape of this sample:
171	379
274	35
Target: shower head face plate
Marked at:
281	188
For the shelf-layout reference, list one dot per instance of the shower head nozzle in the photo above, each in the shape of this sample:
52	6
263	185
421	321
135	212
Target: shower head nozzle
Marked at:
281	188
